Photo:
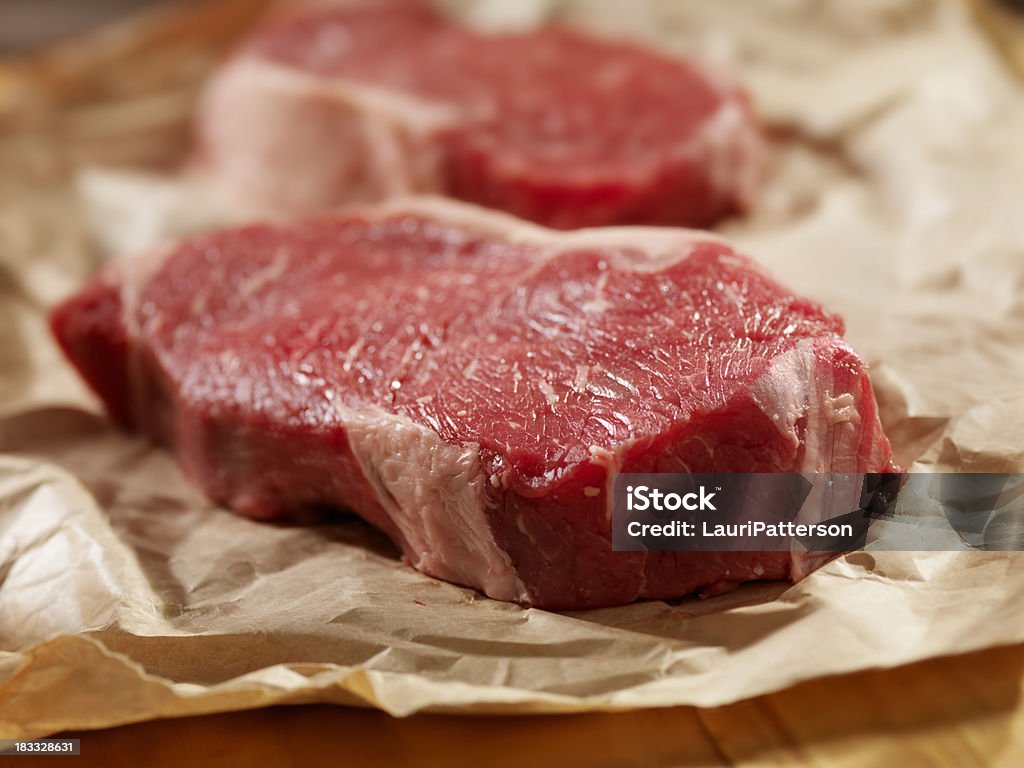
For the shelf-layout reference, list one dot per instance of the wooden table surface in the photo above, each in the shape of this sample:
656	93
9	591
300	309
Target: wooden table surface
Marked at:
960	711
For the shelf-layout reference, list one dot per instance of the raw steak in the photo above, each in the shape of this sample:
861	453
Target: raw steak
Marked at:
468	383
364	102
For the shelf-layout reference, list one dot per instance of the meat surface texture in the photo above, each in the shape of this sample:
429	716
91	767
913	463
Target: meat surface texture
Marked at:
359	103
469	384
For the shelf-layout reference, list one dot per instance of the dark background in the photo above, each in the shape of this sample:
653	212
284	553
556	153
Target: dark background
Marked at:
28	24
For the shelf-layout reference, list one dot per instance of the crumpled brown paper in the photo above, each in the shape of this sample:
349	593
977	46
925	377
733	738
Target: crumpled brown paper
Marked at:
894	198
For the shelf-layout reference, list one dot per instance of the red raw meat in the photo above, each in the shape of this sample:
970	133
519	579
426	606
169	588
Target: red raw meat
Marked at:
360	103
469	383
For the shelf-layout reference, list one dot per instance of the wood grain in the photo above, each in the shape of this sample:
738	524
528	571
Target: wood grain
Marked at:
959	712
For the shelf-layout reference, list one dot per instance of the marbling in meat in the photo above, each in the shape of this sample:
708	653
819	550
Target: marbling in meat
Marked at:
469	383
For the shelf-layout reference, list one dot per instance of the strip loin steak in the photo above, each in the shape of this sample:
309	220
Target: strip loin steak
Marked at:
469	383
360	103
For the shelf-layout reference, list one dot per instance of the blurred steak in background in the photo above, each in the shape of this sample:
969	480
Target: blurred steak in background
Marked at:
367	100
